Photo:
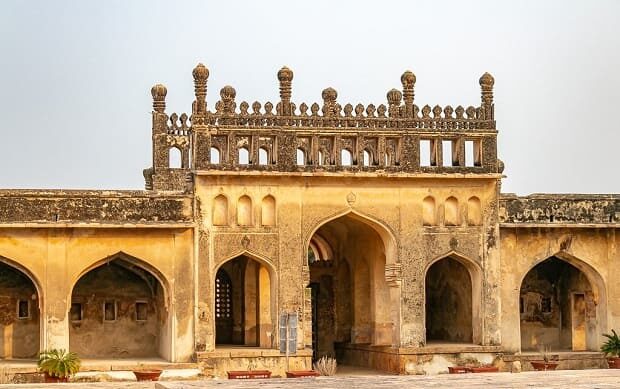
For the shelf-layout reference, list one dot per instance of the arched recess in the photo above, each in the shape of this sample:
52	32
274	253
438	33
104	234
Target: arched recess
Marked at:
562	305
20	315
252	300
451	212
220	210
120	309
429	213
346	157
263	156
268	211
175	159
474	211
244	211
215	156
453	298
243	156
349	275
367	158
301	157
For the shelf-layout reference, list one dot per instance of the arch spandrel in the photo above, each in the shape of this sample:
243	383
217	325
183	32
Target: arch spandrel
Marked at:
261	259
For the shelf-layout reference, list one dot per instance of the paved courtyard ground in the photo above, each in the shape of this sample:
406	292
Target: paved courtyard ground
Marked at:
566	379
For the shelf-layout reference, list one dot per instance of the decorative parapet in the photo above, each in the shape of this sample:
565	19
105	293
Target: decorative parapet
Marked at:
559	209
399	136
88	207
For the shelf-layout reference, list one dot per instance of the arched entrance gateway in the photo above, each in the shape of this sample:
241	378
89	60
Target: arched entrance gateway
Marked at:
351	301
452	291
19	313
118	310
561	306
244	303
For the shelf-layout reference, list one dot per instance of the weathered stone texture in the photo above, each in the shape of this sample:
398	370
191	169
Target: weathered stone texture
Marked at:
27	206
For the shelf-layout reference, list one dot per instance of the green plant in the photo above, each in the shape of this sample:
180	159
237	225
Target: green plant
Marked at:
59	363
545	352
612	346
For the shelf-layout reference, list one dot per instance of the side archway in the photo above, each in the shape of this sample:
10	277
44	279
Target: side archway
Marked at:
562	305
120	309
244	301
20	317
452	295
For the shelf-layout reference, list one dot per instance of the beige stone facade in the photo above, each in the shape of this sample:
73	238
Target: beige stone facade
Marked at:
378	233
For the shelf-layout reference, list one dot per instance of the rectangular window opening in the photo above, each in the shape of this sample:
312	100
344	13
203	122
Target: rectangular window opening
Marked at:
469	153
141	310
425	153
23	309
76	312
446	149
109	310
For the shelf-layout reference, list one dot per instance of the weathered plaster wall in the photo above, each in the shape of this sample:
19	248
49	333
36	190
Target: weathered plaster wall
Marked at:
57	257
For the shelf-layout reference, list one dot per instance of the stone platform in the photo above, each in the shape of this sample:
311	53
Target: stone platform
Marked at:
562	379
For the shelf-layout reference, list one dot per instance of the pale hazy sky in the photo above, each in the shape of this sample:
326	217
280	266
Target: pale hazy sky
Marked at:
76	76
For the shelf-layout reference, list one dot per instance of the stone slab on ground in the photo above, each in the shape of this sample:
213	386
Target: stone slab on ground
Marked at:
565	379
573	379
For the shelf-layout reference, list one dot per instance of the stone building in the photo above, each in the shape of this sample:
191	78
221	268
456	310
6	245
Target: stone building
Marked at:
375	234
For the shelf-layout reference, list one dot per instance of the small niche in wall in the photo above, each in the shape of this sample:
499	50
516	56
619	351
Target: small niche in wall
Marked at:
545	305
109	310
142	309
77	312
23	309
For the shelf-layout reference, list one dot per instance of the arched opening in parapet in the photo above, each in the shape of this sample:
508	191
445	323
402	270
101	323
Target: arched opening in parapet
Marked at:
351	300
175	160
367	158
561	306
215	156
118	310
301	157
263	156
244	156
346	158
452	297
244	303
19	314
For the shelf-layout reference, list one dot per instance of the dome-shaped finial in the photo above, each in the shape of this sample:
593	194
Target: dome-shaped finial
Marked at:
285	74
408	79
394	96
487	80
228	93
200	73
329	94
159	91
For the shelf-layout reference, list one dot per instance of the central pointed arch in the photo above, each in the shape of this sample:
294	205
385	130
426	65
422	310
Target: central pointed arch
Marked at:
352	280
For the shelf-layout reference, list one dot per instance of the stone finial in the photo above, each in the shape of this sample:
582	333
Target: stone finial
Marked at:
394	96
329	101
200	74
408	81
159	91
486	85
285	76
228	94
